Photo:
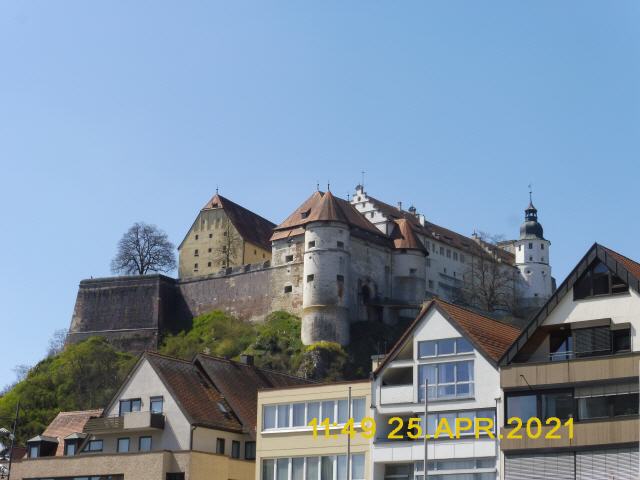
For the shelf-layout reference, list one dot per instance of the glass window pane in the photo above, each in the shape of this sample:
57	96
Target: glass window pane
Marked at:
145	444
328	411
593	407
358	409
312	468
343	411
427	349
446	347
625	404
326	468
522	406
136	405
463	345
125	406
558	405
342	467
313	411
446	391
357	467
267	469
269	417
446	373
282	469
123	445
298	415
464	371
283	416
157	404
297	468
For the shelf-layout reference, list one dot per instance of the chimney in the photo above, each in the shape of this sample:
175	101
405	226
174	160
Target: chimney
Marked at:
399	205
421	219
246	359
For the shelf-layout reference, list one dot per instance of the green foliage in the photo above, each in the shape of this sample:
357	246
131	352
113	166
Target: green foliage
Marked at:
215	333
278	345
323	361
83	376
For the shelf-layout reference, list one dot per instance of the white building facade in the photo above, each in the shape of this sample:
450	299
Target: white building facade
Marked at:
444	347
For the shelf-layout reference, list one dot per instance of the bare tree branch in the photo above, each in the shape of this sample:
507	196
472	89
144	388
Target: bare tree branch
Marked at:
144	249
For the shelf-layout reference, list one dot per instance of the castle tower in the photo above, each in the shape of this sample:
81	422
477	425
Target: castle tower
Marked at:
409	267
532	259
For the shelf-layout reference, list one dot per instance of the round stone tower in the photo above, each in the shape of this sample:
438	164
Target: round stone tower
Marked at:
532	259
409	264
325	302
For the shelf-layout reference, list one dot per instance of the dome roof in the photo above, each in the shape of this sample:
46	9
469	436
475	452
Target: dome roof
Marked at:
531	228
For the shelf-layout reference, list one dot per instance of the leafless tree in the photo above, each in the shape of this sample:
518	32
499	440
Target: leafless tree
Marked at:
489	283
144	249
57	342
227	250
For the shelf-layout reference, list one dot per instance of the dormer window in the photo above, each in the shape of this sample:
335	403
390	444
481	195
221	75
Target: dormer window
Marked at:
305	214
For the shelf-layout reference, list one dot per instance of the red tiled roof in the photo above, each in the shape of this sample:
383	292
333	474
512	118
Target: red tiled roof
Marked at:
632	266
404	237
239	384
324	207
489	336
67	423
199	400
252	227
444	235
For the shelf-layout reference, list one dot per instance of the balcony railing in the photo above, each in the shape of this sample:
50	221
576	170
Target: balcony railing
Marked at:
130	421
396	394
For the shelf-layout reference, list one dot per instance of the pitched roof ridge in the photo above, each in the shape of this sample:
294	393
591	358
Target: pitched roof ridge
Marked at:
470	310
76	412
165	356
233	204
618	253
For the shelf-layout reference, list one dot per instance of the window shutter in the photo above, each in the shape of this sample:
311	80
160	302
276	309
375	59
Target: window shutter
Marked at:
621	464
556	466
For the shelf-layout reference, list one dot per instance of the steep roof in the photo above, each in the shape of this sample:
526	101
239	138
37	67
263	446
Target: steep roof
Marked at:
404	237
67	423
626	269
324	207
252	227
441	234
197	397
239	384
490	337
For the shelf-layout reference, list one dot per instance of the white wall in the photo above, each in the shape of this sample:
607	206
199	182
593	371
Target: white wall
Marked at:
144	384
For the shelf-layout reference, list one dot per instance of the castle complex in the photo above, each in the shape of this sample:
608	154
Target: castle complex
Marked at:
331	261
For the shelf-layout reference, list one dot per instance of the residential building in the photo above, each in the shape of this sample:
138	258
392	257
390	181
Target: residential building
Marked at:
224	235
455	351
170	420
573	375
287	447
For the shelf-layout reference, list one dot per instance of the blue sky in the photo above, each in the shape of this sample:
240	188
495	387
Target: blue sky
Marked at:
119	111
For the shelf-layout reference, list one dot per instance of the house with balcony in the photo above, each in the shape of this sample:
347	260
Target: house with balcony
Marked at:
170	420
576	364
454	352
289	450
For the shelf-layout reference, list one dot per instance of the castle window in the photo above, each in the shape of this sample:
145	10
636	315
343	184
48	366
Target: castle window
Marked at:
196	236
412	271
530	258
359	198
211	235
428	262
209	250
224	248
462	258
442	251
528	272
195	267
340	278
542	259
530	245
542	246
196	253
305	214
340	244
263	256
224	233
310	278
448	253
288	258
311	244
455	255
288	289
445	269
209	264
372	214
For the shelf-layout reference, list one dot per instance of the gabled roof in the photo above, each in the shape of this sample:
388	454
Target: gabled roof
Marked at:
441	234
324	207
66	424
625	268
490	337
239	384
197	397
252	227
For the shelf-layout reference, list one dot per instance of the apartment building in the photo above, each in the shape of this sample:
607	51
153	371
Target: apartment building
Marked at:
170	420
287	448
456	351
576	363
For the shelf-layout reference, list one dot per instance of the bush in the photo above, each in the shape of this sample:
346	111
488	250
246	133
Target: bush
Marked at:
278	345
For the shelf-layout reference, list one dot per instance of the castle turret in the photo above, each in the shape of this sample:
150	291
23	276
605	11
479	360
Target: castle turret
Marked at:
532	259
409	268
